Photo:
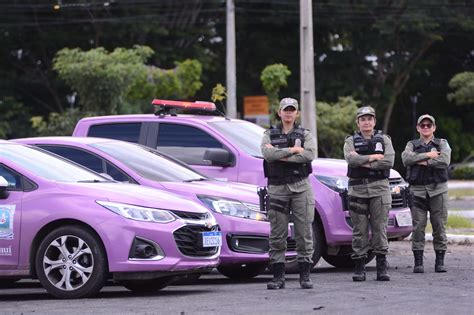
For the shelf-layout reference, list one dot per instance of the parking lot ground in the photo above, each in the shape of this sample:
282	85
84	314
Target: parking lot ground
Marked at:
333	293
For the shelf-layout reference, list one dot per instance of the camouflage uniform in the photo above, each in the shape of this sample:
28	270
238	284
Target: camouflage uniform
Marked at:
430	198
298	196
379	202
428	176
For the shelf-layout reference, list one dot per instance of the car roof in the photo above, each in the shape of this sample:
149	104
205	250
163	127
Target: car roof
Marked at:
152	117
68	139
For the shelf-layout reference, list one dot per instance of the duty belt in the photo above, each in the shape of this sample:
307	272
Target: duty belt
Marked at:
360	181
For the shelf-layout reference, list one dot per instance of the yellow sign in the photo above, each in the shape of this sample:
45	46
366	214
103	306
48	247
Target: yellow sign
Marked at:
256	105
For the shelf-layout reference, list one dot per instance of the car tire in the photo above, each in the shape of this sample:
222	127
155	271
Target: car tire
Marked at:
148	285
343	258
71	262
242	271
292	266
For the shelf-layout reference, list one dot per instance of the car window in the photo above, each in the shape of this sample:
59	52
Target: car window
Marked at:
45	165
79	156
116	174
13	179
244	135
147	162
186	143
88	160
129	132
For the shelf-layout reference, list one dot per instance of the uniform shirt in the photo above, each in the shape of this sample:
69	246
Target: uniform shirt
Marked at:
377	188
410	158
275	154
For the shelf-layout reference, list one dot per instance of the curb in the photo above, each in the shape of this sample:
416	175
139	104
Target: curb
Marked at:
452	239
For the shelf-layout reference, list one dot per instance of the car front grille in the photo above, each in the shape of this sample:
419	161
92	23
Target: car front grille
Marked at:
189	241
190	215
399	193
291	244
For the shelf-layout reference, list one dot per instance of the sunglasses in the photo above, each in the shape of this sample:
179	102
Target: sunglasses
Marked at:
423	126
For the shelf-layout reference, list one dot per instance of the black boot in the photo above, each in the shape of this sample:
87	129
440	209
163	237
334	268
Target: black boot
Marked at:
418	254
439	264
278	281
382	268
359	272
305	269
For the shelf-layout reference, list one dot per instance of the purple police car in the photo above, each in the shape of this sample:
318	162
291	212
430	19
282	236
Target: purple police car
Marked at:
235	206
73	229
230	148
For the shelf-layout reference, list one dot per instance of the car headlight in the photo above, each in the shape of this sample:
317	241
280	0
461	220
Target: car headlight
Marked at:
233	208
336	183
397	185
138	213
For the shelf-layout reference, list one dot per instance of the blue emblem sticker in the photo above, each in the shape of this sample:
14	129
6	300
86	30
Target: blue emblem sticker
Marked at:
6	221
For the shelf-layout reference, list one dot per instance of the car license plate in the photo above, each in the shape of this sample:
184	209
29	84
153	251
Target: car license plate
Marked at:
211	239
404	218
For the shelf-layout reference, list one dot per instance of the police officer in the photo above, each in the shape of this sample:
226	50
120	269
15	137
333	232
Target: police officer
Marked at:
288	151
427	160
370	156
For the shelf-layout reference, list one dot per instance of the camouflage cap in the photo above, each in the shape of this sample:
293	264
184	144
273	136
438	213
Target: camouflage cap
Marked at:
426	116
288	101
366	110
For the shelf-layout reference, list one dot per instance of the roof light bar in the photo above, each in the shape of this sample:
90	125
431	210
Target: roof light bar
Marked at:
209	106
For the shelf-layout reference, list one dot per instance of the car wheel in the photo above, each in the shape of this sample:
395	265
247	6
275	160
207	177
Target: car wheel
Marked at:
242	271
71	263
292	266
147	286
343	258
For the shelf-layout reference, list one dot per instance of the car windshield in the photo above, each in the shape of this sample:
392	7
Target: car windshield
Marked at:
46	165
245	135
148	162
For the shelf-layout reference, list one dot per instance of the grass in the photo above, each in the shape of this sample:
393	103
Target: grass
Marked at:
458	222
455	222
461	193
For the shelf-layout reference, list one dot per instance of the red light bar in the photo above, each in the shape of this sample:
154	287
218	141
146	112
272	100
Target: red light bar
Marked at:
185	105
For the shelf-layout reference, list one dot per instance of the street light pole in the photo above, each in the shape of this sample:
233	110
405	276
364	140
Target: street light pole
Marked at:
231	76
307	88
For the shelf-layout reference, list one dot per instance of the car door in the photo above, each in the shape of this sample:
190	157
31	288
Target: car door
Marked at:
10	218
89	160
189	144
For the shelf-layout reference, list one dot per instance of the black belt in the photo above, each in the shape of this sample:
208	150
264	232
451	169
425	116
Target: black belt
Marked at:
360	181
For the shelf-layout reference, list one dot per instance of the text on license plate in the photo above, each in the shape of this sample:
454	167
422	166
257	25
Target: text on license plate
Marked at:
404	219
211	239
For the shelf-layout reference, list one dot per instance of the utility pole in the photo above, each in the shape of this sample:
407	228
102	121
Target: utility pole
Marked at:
231	76
307	87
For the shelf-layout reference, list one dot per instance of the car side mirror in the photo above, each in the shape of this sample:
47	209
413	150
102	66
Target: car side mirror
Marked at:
219	157
3	188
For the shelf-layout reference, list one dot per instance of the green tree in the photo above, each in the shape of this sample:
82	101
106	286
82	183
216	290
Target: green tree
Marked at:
101	79
463	86
273	78
218	95
15	117
58	124
335	122
182	82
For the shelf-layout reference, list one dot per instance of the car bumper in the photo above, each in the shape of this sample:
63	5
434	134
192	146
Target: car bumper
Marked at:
245	240
171	260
